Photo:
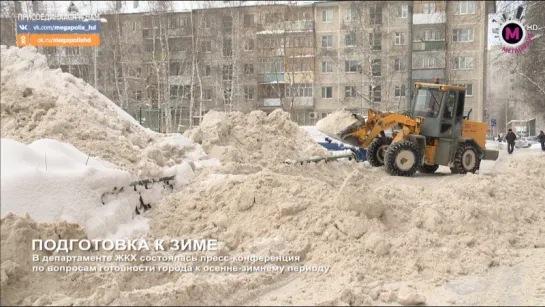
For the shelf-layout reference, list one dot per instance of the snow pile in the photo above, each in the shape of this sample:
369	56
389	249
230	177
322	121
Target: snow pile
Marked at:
254	138
38	102
54	182
394	229
367	226
336	122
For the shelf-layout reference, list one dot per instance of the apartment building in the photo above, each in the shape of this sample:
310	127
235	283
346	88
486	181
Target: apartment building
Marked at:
171	67
362	50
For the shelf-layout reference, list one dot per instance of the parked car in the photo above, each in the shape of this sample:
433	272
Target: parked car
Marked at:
522	143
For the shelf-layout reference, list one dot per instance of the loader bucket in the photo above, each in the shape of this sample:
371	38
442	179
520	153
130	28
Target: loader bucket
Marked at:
347	136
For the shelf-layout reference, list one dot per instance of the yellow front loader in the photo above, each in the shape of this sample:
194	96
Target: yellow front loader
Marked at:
434	132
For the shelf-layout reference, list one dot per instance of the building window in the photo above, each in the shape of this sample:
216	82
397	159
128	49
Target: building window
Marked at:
350	92
400	38
462	63
207	94
464	7
206	46
249	93
176	69
227	73
351	14
375	39
173	91
249	69
350	40
375	14
402	11
376	68
327	92
462	35
351	66
227	22
399	65
138	95
206	71
433	35
249	45
177	21
469	88
375	93
429	8
227	48
327	41
204	23
299	90
327	67
248	20
327	15
399	91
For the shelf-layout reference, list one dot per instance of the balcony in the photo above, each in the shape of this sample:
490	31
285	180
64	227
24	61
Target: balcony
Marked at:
327	52
270	103
299	26
271	78
429	46
427	19
428	74
299	76
179	80
303	102
270	52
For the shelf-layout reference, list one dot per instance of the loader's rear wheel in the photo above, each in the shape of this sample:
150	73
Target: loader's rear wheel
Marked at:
466	159
428	169
377	150
403	159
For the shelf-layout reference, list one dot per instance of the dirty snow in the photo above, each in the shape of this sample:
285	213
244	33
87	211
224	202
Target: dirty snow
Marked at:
379	238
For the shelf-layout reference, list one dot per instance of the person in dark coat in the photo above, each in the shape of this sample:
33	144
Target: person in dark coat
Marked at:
541	138
510	137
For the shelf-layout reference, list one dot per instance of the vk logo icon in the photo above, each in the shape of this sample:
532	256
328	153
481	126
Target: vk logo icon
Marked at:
23	27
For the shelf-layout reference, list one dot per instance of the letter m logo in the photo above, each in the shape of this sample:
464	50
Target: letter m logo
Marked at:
23	27
512	34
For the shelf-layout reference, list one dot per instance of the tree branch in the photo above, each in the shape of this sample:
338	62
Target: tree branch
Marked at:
542	90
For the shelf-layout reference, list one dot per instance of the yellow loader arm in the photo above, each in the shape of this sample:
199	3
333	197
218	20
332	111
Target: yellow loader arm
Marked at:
377	122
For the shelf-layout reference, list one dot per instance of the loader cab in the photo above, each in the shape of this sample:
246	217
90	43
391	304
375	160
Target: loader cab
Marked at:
441	106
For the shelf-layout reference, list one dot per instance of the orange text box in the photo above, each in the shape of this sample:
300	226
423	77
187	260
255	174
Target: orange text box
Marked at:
58	40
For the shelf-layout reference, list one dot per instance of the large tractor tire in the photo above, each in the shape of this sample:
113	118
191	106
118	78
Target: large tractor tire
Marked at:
377	150
466	159
403	159
428	169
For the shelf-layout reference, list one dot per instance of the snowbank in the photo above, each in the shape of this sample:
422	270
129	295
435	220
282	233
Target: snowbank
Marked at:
53	182
40	103
254	138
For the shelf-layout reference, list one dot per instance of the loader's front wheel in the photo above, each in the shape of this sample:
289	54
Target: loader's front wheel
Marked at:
428	169
377	150
466	160
402	159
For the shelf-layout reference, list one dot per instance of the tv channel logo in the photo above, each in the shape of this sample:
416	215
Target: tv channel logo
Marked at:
514	35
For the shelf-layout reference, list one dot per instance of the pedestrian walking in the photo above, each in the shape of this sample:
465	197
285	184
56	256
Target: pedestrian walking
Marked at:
541	138
510	137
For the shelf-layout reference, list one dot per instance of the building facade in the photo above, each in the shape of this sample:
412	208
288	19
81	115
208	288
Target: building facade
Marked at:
168	68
